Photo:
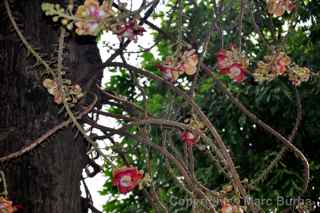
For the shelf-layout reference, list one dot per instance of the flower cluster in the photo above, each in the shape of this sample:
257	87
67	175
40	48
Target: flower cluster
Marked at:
126	178
73	92
189	137
299	75
279	64
129	30
91	17
232	63
272	66
173	67
6	206
279	7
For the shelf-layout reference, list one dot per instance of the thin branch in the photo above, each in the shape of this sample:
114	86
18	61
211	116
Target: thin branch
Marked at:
4	184
284	149
25	42
172	159
265	126
228	160
242	11
121	100
126	43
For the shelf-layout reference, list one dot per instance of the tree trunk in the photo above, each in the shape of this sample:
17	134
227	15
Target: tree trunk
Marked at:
47	179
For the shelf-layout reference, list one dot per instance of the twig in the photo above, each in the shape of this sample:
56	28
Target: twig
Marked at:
242	11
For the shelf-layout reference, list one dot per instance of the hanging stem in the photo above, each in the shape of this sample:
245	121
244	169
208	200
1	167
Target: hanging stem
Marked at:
4	184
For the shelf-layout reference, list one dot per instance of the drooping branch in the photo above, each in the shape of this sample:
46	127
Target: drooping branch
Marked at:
146	141
252	116
265	126
284	149
220	144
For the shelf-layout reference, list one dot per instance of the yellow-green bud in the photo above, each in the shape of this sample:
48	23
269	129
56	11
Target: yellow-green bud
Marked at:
64	21
55	18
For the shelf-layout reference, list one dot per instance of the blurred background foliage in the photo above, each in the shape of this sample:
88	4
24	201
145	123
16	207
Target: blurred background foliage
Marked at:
298	34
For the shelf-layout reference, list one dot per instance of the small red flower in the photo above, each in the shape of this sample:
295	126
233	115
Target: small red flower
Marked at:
189	138
126	178
129	30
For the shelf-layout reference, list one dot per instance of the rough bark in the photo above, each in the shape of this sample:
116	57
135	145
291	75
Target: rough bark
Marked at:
48	178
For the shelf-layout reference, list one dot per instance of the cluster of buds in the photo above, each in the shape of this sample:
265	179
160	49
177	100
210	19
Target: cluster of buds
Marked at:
173	67
126	178
279	64
232	63
58	13
91	18
279	7
189	137
6	206
297	75
72	92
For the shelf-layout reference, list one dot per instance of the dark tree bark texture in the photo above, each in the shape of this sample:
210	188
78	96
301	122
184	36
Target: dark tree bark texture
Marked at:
47	179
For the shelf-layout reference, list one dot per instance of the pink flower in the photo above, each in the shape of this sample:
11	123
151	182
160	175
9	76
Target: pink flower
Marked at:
126	178
172	68
129	30
189	138
222	61
92	10
232	63
90	15
87	28
281	63
236	72
6	206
